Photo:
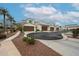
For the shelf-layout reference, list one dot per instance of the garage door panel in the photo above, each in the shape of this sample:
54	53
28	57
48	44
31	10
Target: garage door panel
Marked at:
51	28
44	28
28	28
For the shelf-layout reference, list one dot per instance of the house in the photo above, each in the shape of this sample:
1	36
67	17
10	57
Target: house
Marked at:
72	26
38	26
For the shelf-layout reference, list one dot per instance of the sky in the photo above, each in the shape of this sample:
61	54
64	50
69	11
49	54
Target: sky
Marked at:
58	13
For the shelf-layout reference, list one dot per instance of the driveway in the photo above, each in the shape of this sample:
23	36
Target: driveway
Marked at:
66	47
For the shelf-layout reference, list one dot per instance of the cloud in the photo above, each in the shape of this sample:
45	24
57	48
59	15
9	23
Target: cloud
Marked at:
50	14
26	5
76	5
58	15
58	23
75	21
41	10
73	14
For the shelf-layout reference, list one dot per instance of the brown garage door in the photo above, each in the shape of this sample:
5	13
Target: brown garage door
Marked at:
51	28
44	28
57	29
28	28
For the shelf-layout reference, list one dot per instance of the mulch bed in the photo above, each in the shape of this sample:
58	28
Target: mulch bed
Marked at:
38	49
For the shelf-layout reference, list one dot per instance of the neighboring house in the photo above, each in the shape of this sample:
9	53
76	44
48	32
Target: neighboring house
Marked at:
73	26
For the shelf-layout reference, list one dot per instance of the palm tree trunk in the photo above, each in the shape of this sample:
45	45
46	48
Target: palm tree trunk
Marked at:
4	24
11	27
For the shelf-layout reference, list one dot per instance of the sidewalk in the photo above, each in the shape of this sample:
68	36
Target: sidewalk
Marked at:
7	47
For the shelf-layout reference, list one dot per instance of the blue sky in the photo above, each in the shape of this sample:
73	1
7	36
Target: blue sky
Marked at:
59	13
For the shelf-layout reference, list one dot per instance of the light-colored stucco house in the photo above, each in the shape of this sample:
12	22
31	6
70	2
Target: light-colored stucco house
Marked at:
33	26
69	27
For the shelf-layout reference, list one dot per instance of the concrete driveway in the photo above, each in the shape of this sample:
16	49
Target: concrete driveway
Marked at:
66	47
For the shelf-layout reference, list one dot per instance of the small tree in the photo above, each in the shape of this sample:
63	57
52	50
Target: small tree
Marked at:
30	21
19	27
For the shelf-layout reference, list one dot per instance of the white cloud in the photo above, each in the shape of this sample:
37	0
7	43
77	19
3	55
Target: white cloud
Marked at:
76	5
48	13
75	21
41	10
73	14
26	5
58	15
58	23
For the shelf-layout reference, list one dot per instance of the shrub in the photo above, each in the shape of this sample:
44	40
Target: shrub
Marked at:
29	40
19	27
14	30
37	30
24	39
75	32
2	36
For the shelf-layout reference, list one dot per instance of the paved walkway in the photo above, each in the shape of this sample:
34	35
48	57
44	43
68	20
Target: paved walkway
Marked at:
7	47
14	36
66	46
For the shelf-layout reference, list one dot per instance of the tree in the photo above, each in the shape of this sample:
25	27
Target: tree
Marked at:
11	19
4	12
14	25
30	21
75	32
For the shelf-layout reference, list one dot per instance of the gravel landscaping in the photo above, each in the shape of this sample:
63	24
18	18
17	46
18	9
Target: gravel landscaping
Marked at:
38	49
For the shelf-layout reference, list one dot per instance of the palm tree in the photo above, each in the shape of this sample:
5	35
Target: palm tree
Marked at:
14	24
11	21
4	12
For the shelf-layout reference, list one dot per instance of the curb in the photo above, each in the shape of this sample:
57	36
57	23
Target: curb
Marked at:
14	36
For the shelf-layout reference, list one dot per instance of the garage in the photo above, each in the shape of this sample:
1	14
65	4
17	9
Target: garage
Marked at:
57	29
28	27
51	28
44	28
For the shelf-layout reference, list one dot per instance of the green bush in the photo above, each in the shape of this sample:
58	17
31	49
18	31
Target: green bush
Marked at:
29	40
24	39
75	32
37	30
19	27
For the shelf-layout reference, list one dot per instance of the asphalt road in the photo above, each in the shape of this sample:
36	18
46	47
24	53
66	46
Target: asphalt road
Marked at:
46	35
